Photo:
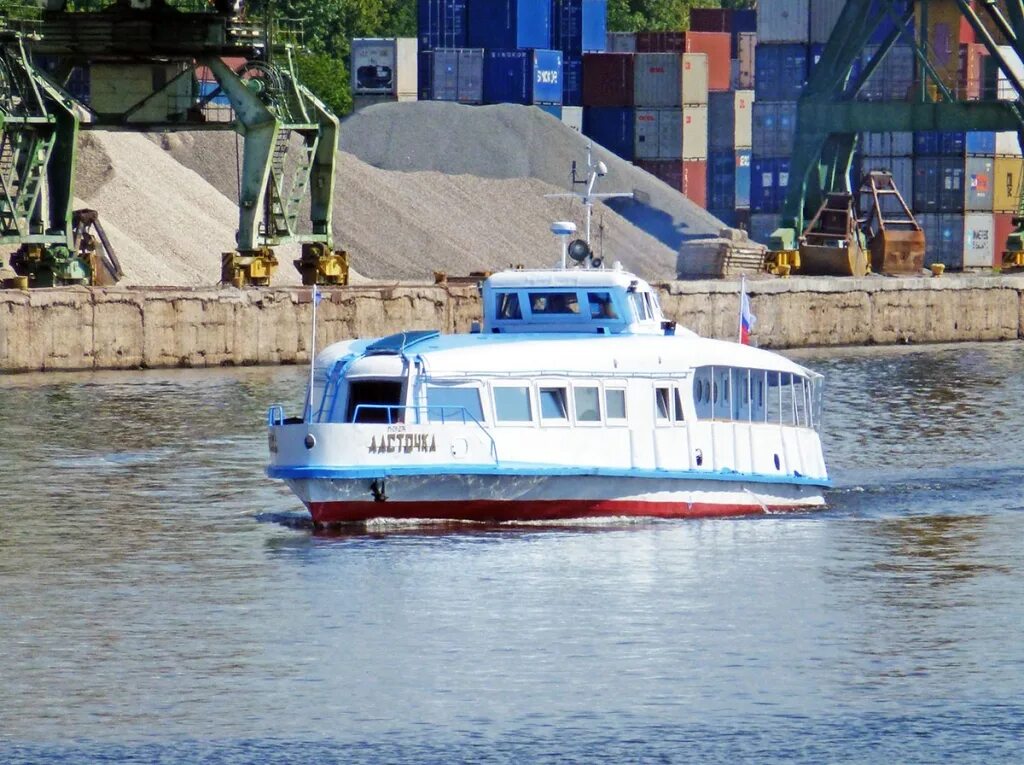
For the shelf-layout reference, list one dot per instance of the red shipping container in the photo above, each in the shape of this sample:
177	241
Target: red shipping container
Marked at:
710	20
1003	228
608	79
669	171
716	45
695	181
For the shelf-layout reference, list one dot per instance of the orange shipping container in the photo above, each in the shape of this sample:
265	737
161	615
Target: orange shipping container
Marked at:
1003	228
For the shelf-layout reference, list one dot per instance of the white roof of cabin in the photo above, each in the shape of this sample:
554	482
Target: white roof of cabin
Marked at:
570	278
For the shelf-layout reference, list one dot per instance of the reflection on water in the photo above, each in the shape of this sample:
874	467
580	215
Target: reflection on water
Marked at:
161	601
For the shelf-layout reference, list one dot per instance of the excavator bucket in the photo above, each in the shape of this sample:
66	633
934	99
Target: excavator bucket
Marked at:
895	238
832	244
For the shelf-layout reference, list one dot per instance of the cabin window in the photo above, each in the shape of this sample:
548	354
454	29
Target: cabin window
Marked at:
677	406
508	306
662	402
552	404
615	403
601	305
446	403
375	401
512	404
554	303
588	404
649	305
641	308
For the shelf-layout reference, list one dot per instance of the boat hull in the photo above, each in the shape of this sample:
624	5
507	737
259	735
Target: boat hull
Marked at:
543	498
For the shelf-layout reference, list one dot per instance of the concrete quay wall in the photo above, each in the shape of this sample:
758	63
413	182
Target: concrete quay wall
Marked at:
79	328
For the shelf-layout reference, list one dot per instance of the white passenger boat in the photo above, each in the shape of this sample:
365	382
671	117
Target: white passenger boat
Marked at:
576	398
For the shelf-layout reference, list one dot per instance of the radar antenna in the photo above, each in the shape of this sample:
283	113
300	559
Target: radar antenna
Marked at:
595	170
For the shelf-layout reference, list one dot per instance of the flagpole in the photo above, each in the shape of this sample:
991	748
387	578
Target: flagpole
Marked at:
743	291
312	355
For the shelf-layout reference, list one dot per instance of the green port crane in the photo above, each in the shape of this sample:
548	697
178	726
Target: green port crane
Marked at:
142	59
829	118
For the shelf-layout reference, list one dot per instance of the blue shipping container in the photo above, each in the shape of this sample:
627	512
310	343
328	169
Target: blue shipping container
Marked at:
938	184
523	77
441	24
935	143
509	24
781	71
208	87
555	110
774	126
728	215
579	26
611	127
742	162
721	193
899	8
572	81
769	178
815	51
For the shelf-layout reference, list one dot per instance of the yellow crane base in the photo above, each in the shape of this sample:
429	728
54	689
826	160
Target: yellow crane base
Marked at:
783	262
248	267
320	265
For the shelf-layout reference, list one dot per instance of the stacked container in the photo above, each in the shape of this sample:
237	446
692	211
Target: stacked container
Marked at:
523	77
577	27
730	127
440	24
383	69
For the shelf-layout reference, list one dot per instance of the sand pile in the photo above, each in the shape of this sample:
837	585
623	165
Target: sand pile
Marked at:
406	225
508	141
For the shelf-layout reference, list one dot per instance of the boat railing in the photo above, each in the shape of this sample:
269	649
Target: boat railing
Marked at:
397	414
275	415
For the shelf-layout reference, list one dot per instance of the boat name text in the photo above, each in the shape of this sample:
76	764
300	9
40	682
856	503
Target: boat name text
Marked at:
405	443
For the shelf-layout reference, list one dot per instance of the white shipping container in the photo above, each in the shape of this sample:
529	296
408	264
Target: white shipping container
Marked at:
621	42
658	134
744	111
1007	144
572	117
979	240
783	21
695	132
384	66
823	17
670	79
695	78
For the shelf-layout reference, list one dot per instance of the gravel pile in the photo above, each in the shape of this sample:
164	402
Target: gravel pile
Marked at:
509	141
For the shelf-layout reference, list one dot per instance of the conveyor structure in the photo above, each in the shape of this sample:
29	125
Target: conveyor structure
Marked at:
133	65
829	118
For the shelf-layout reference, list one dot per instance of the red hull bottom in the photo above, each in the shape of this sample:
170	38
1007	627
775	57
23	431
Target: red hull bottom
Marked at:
497	511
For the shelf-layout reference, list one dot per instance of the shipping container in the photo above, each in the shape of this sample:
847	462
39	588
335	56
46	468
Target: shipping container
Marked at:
716	46
458	75
611	127
783	21
441	24
711	20
769	177
509	24
743	170
670	79
384	66
695	181
895	144
1002	227
762	225
945	34
774	126
902	171
939	184
579	26
1005	89
979	176
671	133
1006	184
814	54
823	17
781	71
728	216
523	77
1008	144
888	23
972	72
979	240
555	110
953	143
608	79
620	42
572	117
572	81
730	120
893	80
746	53
668	171
425	75
944	239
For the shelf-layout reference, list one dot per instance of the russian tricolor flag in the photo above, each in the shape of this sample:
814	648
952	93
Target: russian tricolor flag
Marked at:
747	318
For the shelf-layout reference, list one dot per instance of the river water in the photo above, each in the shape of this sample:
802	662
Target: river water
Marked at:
161	601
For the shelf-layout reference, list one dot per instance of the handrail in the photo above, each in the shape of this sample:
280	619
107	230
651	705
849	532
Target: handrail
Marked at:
465	418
